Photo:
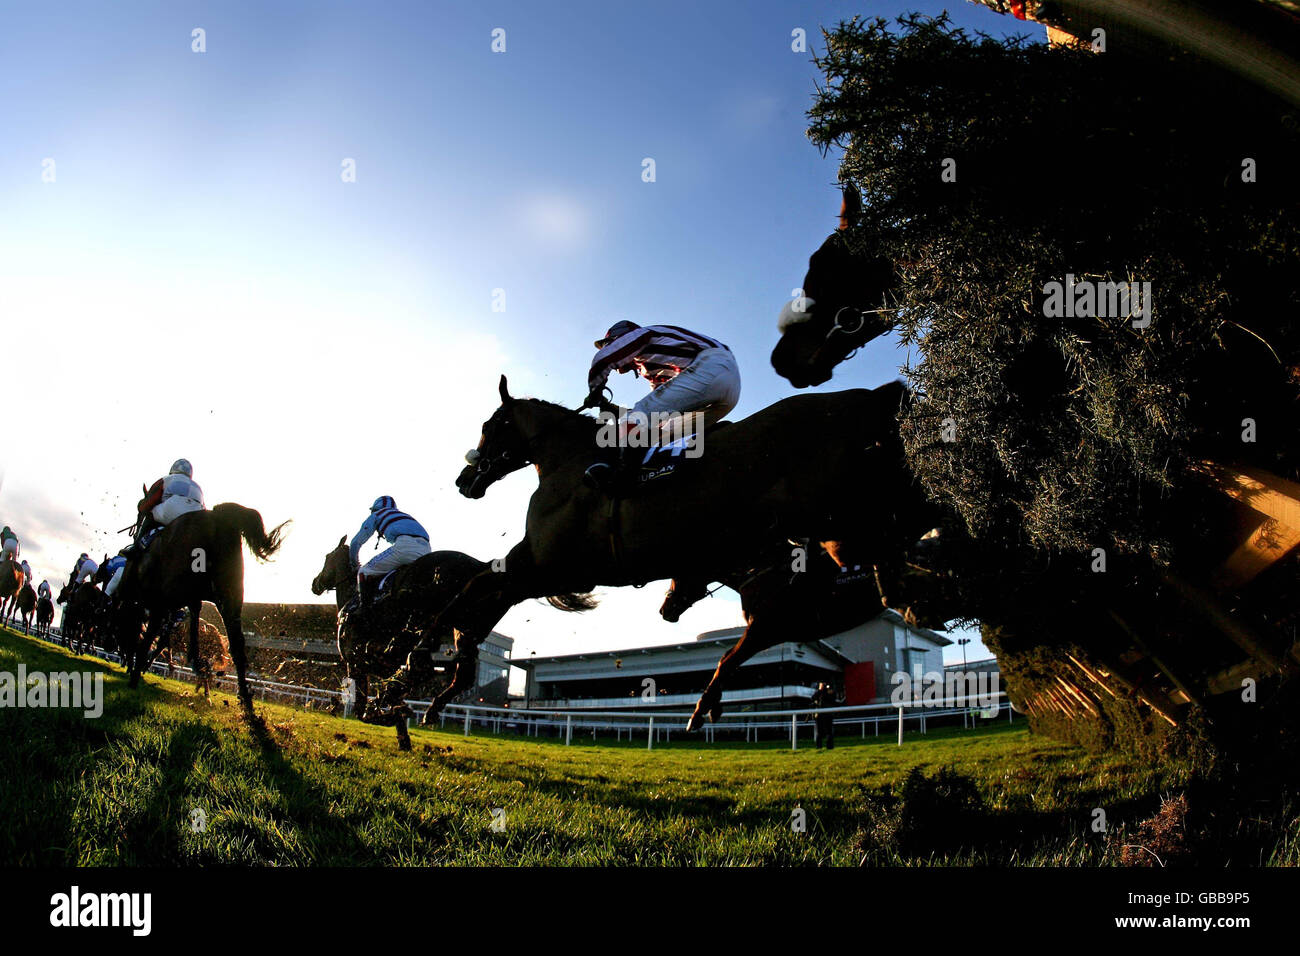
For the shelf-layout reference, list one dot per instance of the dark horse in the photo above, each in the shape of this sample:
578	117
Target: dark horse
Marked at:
25	604
86	617
44	617
382	644
822	467
11	582
196	558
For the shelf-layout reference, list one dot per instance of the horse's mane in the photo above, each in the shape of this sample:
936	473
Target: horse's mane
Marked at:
569	413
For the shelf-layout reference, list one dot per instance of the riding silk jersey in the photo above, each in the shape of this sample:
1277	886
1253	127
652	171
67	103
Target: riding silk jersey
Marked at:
656	352
44	590
169	487
390	524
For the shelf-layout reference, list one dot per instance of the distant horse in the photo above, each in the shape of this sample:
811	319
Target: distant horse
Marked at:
11	582
384	644
196	558
44	617
26	604
825	467
86	616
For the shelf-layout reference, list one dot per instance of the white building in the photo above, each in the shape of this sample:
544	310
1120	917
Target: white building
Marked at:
859	663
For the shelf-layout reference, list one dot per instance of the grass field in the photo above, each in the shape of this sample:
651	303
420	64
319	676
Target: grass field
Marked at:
314	790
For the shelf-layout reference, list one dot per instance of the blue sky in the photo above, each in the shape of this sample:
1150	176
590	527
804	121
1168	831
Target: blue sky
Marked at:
199	281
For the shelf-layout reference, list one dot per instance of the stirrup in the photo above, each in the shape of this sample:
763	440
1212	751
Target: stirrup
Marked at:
599	476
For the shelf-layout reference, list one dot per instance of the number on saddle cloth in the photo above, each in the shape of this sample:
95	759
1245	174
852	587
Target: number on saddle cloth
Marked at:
661	461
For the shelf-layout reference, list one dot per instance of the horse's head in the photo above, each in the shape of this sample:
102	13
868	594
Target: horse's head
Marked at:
502	449
841	307
103	575
64	593
337	569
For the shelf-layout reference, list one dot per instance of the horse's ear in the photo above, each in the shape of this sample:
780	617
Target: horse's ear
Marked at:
343	540
850	205
505	392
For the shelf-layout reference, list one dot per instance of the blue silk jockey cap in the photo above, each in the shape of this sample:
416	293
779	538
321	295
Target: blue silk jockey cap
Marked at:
383	501
617	330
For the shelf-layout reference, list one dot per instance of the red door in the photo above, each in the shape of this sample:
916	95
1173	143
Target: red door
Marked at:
859	683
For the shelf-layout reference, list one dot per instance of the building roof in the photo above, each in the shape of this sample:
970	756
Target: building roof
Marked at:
721	636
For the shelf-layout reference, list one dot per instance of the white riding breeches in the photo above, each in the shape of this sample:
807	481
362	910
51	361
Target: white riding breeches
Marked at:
172	508
404	550
114	581
11	549
88	570
710	385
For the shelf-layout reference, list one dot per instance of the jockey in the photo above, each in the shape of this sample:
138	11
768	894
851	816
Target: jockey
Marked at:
115	565
10	544
689	372
27	573
84	570
44	591
167	499
407	536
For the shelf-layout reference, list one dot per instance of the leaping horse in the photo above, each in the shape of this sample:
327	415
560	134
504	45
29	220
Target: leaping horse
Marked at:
196	558
824	467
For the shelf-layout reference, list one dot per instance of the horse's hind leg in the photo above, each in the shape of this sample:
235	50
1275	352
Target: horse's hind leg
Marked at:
759	636
463	679
230	612
199	665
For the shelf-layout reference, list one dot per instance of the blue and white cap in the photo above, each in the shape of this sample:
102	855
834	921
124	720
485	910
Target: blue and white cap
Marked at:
383	501
182	467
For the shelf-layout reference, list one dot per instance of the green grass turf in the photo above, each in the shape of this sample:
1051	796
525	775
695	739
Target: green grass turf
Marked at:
316	790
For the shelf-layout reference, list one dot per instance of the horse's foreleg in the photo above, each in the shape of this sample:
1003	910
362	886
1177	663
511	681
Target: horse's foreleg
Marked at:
197	663
362	682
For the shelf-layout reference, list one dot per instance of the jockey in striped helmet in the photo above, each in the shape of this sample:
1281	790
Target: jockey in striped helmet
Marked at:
689	373
407	537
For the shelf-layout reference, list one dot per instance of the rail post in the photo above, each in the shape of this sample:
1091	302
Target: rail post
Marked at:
466	721
794	732
650	737
568	729
900	726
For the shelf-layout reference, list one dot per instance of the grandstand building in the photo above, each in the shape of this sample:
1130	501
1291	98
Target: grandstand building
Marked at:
859	663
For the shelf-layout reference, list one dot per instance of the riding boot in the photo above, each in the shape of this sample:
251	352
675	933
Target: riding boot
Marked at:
368	587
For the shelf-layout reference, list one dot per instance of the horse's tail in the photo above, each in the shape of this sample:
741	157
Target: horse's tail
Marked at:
572	602
248	523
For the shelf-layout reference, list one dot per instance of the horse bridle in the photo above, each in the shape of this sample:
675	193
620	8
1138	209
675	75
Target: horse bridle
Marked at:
838	326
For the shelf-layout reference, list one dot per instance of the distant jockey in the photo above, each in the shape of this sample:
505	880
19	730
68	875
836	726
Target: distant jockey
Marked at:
84	570
689	372
169	498
407	536
10	544
44	591
115	565
27	573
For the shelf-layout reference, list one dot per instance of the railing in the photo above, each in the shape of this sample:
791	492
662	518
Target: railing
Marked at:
656	726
